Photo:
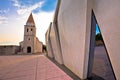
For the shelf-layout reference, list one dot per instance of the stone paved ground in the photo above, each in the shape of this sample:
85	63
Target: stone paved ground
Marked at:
38	67
30	67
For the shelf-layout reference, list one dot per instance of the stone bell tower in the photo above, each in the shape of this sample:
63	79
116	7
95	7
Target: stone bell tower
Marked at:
29	36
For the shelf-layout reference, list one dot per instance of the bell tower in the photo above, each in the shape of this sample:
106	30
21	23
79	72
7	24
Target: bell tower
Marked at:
29	36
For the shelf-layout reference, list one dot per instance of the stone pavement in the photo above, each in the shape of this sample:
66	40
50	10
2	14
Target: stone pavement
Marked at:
30	67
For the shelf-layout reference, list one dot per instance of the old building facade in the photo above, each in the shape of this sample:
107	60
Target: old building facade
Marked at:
31	43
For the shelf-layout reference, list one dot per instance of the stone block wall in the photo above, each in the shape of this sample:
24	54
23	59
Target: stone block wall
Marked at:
9	50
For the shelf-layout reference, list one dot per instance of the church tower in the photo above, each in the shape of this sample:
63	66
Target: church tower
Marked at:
29	36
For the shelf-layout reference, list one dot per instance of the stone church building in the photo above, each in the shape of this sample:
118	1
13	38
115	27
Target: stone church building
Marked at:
30	43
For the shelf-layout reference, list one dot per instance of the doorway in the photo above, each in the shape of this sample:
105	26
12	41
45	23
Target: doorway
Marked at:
29	49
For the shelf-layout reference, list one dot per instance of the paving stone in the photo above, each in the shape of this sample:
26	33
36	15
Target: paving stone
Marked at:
30	67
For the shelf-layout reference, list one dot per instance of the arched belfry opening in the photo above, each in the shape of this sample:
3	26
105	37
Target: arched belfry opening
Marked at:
28	49
99	66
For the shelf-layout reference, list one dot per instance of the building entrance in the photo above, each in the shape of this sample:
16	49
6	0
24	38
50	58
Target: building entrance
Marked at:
28	49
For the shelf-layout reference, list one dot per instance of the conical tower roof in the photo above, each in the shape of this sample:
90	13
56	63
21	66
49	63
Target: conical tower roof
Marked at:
30	19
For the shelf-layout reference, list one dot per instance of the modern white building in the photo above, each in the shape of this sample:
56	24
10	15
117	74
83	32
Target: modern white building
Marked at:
73	29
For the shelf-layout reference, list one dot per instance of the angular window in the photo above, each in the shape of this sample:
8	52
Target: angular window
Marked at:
100	67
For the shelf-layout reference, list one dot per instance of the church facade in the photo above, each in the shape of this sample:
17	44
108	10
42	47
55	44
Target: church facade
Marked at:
31	43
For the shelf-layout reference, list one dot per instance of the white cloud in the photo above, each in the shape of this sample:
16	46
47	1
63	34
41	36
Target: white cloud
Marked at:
4	11
3	20
22	9
25	10
16	3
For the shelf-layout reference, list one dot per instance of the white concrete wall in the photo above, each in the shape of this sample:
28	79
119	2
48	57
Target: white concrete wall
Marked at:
46	40
107	13
74	23
48	43
55	44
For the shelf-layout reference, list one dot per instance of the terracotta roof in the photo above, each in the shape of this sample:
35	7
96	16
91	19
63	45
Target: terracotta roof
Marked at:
30	19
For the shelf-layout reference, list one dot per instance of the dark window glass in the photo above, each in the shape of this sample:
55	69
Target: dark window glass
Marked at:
27	29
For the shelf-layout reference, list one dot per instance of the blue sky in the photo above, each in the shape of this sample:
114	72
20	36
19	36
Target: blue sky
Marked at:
97	29
12	5
14	14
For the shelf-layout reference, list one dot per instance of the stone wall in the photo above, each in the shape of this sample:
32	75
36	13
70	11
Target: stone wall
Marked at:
38	46
9	50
